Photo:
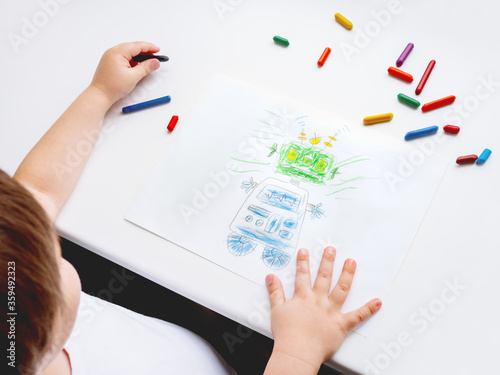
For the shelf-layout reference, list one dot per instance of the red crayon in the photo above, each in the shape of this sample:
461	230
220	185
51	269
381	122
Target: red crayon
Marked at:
452	129
400	74
467	159
438	103
424	78
324	56
172	123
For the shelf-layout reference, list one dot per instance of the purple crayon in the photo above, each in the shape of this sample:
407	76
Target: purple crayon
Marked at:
405	54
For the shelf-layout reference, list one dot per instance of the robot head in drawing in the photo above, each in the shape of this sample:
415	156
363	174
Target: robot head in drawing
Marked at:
273	213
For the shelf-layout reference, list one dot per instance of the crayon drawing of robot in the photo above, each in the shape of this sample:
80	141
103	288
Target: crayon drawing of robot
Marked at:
272	215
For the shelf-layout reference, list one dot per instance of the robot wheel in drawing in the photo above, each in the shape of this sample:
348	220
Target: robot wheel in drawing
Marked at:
271	256
274	258
240	245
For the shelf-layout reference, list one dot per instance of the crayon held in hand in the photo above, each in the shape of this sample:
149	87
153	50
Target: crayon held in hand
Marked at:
141	58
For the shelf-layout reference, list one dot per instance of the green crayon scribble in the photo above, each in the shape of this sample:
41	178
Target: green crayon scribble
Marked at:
248	156
345	162
253	170
354	179
273	149
274	114
262	131
250	162
309	164
338	191
257	137
269	124
354	157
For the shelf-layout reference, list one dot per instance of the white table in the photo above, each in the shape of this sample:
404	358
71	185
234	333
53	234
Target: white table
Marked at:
57	55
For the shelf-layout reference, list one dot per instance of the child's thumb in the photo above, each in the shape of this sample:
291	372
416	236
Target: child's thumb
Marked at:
146	67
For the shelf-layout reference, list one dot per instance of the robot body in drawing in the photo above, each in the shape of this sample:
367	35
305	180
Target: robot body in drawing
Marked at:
273	214
272	217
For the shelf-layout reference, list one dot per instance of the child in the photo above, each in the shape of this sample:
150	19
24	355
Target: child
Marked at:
45	292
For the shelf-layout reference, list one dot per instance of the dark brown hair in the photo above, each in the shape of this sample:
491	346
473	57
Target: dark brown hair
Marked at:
27	243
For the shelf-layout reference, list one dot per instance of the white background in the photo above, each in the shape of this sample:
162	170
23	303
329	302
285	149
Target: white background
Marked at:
457	240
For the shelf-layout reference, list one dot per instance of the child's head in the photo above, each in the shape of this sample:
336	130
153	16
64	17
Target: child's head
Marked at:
32	284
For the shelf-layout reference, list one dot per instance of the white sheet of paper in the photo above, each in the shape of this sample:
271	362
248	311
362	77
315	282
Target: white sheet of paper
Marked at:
370	207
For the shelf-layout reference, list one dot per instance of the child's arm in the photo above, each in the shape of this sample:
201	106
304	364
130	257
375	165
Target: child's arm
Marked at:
309	328
51	170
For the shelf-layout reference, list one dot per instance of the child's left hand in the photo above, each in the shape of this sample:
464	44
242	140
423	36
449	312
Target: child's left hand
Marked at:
310	327
115	77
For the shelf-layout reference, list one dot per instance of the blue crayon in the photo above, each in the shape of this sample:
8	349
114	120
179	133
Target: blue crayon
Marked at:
421	132
484	156
149	103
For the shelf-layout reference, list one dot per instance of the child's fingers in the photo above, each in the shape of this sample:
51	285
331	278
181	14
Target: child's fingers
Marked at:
145	67
132	49
325	271
275	290
341	290
303	275
353	318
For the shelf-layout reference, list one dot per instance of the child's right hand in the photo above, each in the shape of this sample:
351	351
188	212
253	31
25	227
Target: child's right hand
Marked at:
115	77
309	328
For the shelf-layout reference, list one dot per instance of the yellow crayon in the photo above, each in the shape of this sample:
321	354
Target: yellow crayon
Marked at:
343	21
370	120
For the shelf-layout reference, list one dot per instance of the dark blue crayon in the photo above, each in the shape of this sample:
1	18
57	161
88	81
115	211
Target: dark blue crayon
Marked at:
149	103
421	132
141	58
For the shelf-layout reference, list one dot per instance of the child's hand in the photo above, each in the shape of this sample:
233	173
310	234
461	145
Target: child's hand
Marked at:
116	77
309	328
